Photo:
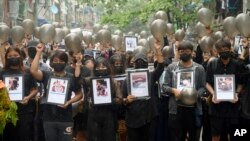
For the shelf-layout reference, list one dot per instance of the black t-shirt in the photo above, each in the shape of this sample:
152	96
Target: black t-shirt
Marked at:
29	84
216	67
54	112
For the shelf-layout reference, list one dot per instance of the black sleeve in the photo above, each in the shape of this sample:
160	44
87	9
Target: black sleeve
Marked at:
210	73
32	83
75	86
157	72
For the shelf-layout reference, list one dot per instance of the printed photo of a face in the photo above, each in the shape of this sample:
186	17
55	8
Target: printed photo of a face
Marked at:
225	84
139	81
101	88
186	79
58	86
13	83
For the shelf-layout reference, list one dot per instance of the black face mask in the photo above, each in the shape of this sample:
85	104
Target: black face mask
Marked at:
58	67
140	64
225	55
32	53
15	61
185	57
103	72
118	69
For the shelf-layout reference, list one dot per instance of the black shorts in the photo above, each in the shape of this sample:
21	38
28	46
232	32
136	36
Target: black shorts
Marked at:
223	125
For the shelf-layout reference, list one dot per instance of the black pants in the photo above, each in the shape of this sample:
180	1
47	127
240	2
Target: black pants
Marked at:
206	134
182	125
101	125
58	131
144	133
23	131
38	124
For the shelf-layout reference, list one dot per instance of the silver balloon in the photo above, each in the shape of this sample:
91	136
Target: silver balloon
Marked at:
140	49
179	35
229	25
118	32
4	33
170	29
56	24
131	33
151	42
188	96
218	35
167	51
59	35
144	43
117	42
161	15
17	34
28	26
205	16
79	33
158	29
143	34
87	38
107	27
200	29
96	28
242	24
47	33
36	32
206	43
104	36
94	39
66	31
73	42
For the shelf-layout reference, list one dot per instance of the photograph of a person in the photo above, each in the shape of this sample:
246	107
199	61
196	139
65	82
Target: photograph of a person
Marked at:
130	43
139	83
57	91
101	90
14	85
185	79
225	87
225	84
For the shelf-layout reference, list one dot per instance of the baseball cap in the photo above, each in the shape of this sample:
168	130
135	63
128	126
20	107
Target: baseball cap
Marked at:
141	56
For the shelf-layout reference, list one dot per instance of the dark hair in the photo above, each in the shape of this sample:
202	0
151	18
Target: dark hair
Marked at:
60	55
105	62
115	58
185	45
223	43
16	49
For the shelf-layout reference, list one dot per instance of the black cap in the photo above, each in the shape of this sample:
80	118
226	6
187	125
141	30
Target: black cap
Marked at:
32	43
141	56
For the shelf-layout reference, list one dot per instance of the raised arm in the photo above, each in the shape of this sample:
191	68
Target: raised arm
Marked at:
36	73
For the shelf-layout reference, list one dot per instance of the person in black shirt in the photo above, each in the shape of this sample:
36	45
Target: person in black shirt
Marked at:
224	115
140	114
57	119
102	119
26	108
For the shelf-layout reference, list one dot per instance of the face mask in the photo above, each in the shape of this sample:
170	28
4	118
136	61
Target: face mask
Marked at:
14	61
140	64
58	67
185	57
103	72
118	69
224	55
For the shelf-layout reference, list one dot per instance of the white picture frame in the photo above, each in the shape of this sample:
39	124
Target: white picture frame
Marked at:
185	79
57	90
15	87
101	89
224	86
130	43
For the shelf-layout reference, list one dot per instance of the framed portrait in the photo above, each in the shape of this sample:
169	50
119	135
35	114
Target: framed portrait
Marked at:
101	89
224	86
58	90
130	43
185	79
15	86
138	83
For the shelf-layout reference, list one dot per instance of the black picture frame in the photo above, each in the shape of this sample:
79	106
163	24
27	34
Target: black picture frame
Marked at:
58	89
101	90
130	43
15	86
224	87
138	83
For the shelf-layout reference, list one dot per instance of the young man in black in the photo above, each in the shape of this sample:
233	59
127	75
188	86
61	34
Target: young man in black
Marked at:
224	115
